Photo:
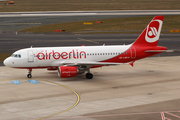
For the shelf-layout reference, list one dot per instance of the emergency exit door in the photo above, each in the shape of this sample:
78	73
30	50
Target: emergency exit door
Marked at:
133	53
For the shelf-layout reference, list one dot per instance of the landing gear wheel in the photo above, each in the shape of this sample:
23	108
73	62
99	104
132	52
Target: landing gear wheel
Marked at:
89	76
29	75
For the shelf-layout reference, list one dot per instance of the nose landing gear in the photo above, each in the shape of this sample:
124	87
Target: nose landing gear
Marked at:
29	73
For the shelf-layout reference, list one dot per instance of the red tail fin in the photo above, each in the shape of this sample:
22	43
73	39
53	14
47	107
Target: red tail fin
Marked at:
150	35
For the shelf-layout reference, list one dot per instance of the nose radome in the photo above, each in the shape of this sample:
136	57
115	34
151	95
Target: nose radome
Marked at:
6	62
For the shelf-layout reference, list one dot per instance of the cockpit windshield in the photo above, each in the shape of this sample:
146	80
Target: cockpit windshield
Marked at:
16	55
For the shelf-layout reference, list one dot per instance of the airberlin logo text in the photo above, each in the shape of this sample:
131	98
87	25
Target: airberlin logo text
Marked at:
74	54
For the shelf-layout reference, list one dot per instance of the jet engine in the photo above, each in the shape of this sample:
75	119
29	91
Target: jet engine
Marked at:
67	71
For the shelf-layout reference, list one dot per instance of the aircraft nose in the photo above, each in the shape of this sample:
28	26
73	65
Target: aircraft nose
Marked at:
6	62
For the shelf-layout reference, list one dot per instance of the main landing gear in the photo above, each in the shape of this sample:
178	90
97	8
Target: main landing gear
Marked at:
29	73
89	75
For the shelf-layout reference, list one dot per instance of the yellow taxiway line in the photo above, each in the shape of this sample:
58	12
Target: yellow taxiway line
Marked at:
76	103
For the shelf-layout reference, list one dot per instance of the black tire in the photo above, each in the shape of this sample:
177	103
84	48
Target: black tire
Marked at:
89	76
29	76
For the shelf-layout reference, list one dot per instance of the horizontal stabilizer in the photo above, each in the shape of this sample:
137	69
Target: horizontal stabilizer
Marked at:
155	51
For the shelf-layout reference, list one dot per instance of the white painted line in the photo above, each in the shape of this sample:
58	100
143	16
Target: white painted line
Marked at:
58	14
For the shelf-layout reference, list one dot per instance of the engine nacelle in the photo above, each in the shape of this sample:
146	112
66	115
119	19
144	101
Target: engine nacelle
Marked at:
67	71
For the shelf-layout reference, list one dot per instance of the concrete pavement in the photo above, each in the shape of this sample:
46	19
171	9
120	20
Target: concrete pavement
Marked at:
151	83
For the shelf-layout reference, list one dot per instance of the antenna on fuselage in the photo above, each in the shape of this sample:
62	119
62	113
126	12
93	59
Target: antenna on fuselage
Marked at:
104	44
31	47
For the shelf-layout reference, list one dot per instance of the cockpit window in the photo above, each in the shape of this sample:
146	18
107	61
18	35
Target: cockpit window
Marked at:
12	55
16	55
19	55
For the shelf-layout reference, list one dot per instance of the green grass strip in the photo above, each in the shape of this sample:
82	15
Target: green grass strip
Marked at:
82	5
118	24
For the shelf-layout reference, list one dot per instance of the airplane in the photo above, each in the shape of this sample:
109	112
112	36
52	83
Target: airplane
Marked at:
70	61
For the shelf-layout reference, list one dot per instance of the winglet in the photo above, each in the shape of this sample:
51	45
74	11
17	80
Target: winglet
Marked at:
132	63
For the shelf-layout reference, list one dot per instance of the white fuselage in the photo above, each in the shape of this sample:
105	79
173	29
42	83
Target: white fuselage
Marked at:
56	56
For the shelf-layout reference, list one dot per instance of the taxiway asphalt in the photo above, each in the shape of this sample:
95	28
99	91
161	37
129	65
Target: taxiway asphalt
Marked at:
9	43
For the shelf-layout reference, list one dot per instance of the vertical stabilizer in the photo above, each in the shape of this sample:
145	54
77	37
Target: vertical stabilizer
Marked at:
150	35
